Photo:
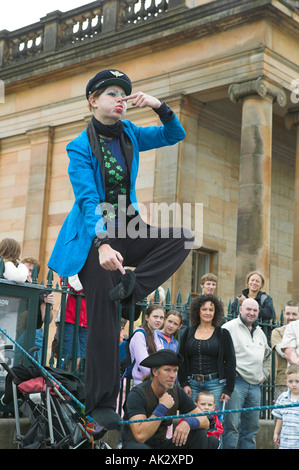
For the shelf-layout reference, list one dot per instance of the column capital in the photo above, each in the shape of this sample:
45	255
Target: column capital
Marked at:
261	87
292	118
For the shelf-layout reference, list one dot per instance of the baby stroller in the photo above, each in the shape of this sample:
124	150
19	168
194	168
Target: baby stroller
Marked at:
56	420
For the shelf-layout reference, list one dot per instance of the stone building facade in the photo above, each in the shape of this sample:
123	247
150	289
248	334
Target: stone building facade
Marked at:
230	72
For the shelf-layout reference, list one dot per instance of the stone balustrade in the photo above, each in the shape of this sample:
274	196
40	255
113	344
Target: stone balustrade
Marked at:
57	30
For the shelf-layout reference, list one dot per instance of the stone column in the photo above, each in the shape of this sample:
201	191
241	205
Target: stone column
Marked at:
38	194
253	229
292	122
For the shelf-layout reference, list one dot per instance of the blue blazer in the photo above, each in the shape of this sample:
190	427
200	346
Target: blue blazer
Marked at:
85	219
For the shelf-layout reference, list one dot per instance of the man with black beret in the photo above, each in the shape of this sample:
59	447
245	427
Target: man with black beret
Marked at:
104	232
159	396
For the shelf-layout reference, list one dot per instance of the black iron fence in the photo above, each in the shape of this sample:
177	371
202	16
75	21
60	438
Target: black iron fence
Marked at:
19	304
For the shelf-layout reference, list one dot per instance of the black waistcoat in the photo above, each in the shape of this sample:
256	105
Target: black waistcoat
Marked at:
152	402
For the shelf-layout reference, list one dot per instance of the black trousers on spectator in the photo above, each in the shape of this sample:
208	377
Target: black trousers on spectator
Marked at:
156	258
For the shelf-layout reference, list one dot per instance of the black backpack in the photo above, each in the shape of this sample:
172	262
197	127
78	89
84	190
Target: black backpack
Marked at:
126	364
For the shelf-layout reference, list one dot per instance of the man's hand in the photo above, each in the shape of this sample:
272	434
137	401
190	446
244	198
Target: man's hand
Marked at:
241	299
167	400
187	389
49	299
276	439
181	433
291	356
110	259
224	397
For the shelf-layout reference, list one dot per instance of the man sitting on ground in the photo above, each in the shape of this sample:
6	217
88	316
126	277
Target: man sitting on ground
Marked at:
159	396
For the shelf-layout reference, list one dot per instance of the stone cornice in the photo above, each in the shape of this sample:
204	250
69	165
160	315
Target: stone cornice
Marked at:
260	87
178	24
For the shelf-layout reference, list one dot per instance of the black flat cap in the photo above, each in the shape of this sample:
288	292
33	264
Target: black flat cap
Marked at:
164	357
109	77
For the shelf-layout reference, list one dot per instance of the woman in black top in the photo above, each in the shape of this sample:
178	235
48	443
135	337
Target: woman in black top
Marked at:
209	355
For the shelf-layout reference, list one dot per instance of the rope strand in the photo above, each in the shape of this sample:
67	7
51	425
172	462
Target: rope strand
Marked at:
237	410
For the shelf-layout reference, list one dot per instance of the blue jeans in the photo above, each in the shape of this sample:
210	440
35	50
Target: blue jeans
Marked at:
69	331
244	395
213	386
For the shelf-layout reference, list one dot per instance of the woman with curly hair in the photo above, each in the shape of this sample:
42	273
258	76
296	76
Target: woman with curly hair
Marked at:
209	355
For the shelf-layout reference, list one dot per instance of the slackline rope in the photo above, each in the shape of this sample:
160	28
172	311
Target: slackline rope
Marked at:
160	418
238	410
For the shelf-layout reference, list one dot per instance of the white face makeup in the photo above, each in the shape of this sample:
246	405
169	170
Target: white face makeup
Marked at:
114	93
110	105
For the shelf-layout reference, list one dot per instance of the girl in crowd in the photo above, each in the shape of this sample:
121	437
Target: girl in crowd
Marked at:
16	271
209	356
168	335
146	342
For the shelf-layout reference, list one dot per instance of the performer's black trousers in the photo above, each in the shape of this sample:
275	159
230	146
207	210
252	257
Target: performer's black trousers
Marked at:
155	259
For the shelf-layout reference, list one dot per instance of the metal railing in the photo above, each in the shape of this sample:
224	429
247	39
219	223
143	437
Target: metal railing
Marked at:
32	291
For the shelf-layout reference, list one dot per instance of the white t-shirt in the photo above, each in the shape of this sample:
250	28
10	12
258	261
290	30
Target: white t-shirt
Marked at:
290	337
15	273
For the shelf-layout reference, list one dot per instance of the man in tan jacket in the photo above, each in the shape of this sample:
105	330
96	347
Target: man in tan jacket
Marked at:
290	313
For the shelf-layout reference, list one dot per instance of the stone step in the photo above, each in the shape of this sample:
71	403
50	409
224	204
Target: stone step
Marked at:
264	438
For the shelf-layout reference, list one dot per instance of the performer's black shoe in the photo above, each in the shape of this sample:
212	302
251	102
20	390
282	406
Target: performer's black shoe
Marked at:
106	417
124	289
